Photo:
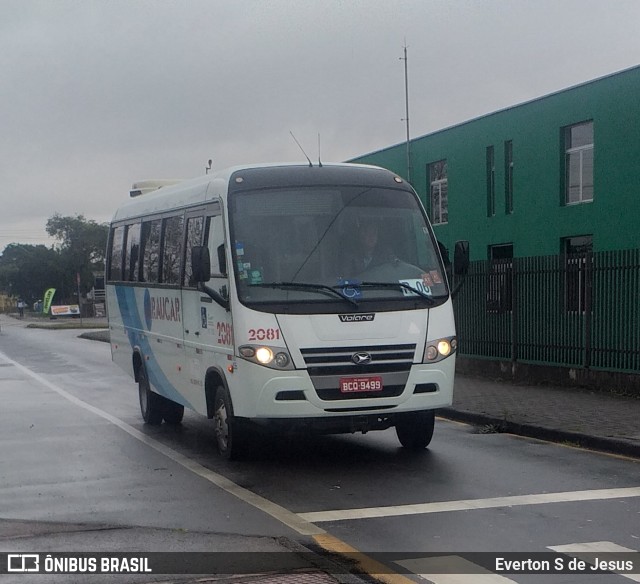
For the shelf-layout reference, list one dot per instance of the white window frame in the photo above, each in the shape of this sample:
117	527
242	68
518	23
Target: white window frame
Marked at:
436	187
580	151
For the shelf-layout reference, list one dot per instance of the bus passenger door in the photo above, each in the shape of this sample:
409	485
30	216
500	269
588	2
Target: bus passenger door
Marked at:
207	325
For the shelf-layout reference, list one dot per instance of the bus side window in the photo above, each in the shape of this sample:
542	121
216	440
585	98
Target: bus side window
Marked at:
214	236
132	259
115	254
171	250
150	242
194	238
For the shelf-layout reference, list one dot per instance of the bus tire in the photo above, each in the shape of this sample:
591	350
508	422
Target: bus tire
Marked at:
172	412
415	429
151	406
226	426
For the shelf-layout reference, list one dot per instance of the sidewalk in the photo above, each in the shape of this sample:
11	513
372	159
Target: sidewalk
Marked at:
198	558
591	419
32	320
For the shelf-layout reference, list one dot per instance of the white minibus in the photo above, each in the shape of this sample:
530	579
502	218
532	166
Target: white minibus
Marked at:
305	298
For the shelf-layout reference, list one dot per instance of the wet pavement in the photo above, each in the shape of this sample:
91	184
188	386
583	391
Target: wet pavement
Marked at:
598	420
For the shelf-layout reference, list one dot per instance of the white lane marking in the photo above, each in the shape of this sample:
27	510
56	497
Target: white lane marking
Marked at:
470	504
585	551
462	571
292	520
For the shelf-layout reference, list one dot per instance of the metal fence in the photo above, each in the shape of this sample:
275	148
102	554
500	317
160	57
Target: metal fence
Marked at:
578	310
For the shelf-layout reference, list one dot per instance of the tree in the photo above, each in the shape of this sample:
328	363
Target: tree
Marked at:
81	246
83	238
26	271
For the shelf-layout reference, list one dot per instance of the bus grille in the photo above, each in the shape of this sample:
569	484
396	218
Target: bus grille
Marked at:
327	365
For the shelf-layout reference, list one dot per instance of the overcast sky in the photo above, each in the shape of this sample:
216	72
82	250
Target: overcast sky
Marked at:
97	94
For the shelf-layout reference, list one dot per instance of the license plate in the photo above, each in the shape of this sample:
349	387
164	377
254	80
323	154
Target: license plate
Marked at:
356	384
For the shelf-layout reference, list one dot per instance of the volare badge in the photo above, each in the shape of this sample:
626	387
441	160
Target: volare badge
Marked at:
367	317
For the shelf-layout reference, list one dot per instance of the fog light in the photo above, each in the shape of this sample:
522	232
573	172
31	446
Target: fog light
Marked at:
282	359
264	355
444	348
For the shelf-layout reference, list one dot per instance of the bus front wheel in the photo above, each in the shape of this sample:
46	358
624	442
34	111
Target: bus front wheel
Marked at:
226	425
151	406
415	429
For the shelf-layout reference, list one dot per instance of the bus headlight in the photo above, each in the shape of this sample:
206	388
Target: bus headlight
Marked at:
439	349
273	357
264	355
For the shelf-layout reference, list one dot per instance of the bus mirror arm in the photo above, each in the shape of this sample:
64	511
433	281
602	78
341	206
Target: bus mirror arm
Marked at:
460	265
461	258
215	296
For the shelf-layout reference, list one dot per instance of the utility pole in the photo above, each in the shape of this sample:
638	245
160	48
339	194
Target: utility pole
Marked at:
406	106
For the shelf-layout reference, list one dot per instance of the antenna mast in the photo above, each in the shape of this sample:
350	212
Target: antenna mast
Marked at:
406	106
302	149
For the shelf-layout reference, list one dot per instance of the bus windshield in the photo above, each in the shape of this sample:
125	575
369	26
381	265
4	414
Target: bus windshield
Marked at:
326	248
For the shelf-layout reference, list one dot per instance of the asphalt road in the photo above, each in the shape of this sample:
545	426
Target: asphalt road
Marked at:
73	450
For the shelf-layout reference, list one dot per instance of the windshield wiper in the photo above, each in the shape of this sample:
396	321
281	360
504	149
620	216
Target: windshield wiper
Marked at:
397	285
323	289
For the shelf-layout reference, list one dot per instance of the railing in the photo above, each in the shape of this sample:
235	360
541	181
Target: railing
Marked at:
578	311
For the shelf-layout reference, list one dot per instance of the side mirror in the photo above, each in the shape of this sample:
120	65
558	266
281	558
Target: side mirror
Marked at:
200	263
222	259
461	258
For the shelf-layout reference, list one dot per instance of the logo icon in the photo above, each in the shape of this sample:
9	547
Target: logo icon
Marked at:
23	562
350	288
361	358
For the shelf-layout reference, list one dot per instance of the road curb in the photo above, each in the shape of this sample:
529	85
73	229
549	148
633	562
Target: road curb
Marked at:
101	335
503	425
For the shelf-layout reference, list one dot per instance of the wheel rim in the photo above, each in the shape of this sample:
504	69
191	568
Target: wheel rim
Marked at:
222	427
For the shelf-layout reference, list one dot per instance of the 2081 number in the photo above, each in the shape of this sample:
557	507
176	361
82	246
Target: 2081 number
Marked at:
270	334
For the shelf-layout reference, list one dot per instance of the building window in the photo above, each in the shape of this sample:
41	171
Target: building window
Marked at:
438	192
578	142
508	177
500	283
491	182
577	256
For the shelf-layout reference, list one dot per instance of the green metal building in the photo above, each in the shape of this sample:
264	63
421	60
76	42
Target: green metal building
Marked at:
558	171
548	195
